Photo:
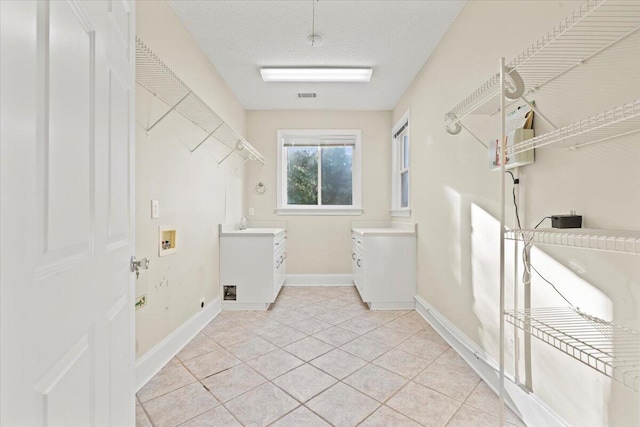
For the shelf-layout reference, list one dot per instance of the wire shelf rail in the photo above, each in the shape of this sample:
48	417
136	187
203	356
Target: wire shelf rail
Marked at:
596	26
602	240
604	346
610	124
157	78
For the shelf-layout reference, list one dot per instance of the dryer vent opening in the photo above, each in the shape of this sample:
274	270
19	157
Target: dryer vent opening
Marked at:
229	292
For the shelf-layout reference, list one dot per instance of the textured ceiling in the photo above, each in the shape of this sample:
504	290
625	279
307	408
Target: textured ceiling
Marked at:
394	37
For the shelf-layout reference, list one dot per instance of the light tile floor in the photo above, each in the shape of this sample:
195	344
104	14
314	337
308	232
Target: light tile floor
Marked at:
318	357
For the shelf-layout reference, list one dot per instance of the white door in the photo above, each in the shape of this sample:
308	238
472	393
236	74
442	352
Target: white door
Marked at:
66	221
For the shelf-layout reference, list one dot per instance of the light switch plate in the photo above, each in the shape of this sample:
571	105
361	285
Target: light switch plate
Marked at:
252	211
155	209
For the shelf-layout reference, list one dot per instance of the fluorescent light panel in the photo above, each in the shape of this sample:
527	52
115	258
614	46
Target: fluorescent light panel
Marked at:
316	75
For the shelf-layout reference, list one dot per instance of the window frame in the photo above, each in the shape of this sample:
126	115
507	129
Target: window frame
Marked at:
282	208
397	167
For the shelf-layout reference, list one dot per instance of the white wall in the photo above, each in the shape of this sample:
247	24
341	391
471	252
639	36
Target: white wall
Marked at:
456	200
190	187
320	244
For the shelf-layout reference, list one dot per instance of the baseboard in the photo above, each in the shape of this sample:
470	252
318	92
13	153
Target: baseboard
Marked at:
533	411
152	361
319	280
233	305
392	305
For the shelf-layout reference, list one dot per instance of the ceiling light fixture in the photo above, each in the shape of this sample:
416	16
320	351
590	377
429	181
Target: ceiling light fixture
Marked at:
316	74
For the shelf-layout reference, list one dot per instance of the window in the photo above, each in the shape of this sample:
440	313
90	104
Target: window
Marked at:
319	172
400	176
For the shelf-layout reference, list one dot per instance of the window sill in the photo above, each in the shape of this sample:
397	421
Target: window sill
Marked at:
402	213
319	211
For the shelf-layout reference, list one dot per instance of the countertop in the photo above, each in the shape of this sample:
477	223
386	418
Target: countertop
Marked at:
382	231
253	232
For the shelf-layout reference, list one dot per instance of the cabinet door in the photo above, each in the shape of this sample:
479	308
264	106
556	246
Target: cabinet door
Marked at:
278	271
353	263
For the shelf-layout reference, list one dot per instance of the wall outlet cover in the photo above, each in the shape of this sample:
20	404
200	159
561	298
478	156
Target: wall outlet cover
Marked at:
155	209
202	303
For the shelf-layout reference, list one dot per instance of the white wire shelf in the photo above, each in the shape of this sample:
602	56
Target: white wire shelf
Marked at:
614	123
601	240
156	77
597	25
604	346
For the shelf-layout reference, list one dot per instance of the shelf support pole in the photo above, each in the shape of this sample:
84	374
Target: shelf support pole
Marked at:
516	300
502	224
207	137
528	382
167	113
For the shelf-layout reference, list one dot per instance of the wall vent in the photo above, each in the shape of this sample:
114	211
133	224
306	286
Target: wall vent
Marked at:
229	292
306	95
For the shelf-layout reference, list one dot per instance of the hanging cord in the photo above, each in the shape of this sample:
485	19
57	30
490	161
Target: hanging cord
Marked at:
515	202
526	275
313	19
313	23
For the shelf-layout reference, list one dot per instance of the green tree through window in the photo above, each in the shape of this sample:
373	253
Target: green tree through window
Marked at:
336	166
302	175
336	175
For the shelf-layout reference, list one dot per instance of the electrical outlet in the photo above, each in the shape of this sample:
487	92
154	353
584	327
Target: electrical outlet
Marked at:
141	301
510	346
252	211
201	303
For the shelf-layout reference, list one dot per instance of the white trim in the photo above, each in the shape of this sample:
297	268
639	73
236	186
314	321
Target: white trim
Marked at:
526	405
155	359
396	154
392	305
318	280
234	305
320	210
354	209
403	213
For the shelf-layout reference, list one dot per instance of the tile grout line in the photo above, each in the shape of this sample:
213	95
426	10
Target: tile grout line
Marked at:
146	413
242	322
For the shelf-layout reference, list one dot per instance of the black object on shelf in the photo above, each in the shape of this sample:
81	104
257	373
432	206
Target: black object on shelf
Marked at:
566	221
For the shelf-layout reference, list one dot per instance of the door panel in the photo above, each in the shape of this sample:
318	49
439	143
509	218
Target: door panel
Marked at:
65	139
65	392
119	160
66	221
120	14
119	319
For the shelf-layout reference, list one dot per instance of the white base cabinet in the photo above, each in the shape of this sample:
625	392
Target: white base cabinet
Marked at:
384	267
253	261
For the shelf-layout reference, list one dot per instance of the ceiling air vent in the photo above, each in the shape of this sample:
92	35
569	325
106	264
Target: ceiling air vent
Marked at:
306	95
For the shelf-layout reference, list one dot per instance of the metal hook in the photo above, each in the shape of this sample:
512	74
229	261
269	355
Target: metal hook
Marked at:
517	90
456	128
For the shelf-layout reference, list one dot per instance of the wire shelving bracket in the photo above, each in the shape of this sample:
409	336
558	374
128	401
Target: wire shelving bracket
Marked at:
620	121
627	242
604	346
156	77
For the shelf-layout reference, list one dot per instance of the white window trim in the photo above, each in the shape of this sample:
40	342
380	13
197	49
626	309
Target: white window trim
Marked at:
354	209
396	210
